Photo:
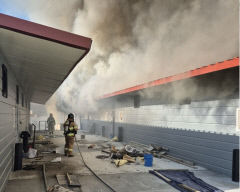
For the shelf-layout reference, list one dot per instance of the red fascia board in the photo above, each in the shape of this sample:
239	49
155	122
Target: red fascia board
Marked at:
44	32
193	73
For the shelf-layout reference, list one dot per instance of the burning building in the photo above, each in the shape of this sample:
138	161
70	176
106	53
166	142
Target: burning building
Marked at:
194	114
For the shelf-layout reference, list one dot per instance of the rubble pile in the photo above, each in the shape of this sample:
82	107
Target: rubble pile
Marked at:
132	152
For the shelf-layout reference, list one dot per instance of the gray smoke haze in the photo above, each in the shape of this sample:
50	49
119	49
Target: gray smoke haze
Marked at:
135	41
139	41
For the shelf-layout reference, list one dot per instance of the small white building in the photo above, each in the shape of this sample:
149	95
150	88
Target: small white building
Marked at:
34	61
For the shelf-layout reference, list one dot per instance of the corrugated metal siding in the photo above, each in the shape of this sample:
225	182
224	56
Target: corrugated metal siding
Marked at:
210	116
211	150
8	125
195	118
96	127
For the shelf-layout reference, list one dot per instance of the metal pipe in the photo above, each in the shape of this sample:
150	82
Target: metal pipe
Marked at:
34	137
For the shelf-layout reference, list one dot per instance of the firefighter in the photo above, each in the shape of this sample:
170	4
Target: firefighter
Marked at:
70	129
51	124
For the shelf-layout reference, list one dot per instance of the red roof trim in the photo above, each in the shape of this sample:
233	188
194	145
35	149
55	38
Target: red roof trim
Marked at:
193	73
44	32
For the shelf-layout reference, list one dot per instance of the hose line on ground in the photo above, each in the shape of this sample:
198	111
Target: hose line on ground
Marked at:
100	179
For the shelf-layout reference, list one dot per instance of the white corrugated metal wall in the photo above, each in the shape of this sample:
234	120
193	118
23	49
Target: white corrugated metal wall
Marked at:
217	116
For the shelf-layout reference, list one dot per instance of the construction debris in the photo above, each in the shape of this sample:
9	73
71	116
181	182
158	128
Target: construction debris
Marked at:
130	149
32	153
47	152
43	142
102	156
156	151
61	179
116	155
158	148
56	160
58	188
44	176
30	167
129	159
115	139
73	180
133	151
120	162
113	149
108	152
40	137
91	146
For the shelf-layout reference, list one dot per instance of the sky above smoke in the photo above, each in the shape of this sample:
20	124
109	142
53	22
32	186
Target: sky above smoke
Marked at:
134	41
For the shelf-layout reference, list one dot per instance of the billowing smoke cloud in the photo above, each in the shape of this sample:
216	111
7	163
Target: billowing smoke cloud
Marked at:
135	41
139	41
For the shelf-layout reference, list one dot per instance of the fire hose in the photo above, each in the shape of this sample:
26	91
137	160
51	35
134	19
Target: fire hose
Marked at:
99	178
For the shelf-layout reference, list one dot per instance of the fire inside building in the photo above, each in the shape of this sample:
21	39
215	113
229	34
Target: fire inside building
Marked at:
192	117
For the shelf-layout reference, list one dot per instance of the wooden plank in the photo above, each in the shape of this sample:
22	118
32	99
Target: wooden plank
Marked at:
188	188
58	188
73	180
162	176
44	177
61	179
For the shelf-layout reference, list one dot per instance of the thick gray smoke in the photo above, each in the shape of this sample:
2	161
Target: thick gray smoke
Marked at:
135	41
139	41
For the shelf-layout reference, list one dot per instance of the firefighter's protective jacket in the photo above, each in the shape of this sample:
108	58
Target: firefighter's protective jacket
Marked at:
70	128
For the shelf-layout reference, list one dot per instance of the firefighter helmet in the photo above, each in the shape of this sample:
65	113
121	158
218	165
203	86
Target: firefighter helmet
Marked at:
70	116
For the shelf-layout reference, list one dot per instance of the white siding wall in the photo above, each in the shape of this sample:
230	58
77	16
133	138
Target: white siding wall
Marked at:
9	127
217	116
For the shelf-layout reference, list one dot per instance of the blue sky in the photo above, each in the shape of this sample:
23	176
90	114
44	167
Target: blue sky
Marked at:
10	7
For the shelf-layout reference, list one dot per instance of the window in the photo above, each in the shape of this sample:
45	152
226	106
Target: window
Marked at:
17	94
136	101
22	100
4	81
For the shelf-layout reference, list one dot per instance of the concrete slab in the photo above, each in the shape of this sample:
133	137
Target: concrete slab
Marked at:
23	185
217	180
130	177
139	182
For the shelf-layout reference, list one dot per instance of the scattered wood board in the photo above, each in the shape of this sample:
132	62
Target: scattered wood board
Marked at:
61	179
58	188
73	180
44	176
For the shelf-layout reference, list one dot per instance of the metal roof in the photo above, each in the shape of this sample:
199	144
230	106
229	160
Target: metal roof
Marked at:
40	57
234	62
